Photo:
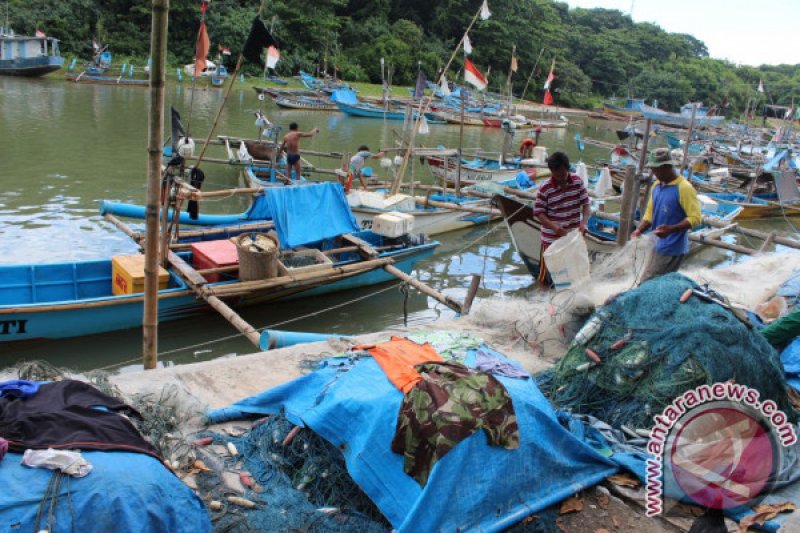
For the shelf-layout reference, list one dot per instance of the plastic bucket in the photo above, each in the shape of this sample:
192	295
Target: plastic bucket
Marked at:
567	259
258	256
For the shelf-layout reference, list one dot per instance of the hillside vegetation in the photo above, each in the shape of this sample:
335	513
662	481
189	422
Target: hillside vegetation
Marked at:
598	52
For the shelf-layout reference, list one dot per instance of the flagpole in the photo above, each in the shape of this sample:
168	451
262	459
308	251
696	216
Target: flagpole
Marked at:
158	51
536	64
396	184
508	81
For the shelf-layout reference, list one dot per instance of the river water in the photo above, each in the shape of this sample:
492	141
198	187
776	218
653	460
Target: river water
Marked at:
64	147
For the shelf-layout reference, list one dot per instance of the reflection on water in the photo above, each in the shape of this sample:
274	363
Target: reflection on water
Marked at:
64	147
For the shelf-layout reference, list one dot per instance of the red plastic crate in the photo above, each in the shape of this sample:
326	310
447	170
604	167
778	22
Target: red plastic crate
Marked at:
214	254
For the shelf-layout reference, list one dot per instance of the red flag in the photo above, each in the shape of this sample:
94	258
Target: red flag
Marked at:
201	51
39	33
203	6
548	98
473	76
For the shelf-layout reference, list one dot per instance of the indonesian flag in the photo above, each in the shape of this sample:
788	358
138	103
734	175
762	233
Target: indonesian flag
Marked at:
485	13
273	55
204	6
550	77
467	46
39	33
224	51
760	86
201	51
473	76
548	98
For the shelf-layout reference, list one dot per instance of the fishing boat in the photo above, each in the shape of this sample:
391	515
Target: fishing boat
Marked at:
485	169
69	299
632	108
753	207
363	109
98	71
72	299
22	55
276	80
683	119
218	77
306	103
428	220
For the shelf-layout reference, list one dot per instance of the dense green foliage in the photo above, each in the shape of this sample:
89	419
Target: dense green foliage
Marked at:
598	52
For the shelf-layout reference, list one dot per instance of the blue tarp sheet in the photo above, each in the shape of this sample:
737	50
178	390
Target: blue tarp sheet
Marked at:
790	357
309	213
474	487
124	492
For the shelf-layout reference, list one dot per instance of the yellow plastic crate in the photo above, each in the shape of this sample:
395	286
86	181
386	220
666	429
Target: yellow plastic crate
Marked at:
127	274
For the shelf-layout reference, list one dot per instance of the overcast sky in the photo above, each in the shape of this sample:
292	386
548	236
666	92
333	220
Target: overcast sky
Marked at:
747	32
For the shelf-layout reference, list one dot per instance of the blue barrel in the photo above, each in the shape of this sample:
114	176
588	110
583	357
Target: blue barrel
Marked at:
274	338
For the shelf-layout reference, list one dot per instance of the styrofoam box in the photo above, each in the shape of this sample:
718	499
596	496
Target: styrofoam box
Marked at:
393	224
354	198
707	203
375	200
399	202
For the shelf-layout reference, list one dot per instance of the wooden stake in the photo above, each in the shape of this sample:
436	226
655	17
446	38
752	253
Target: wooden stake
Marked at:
688	141
158	49
627	211
471	292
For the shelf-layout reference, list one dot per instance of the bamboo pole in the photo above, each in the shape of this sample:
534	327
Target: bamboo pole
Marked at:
424	200
784	241
688	140
196	282
124	228
471	292
158	51
627	211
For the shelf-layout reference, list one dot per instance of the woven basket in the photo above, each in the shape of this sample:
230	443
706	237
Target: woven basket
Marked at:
257	264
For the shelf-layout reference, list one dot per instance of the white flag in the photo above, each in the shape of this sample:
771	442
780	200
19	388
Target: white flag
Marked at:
444	88
760	86
485	13
423	126
467	45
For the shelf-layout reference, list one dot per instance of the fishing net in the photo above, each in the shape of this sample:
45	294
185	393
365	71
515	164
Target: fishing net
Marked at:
301	483
652	349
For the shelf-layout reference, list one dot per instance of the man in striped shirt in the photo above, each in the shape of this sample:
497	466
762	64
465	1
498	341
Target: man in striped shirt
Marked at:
562	205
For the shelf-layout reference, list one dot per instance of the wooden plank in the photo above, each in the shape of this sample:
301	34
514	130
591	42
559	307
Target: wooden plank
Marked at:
424	200
185	269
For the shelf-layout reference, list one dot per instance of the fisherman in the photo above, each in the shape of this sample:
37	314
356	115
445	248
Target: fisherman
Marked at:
562	205
291	143
357	166
673	209
527	145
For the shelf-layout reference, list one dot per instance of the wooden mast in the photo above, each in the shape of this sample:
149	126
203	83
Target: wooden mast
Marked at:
158	48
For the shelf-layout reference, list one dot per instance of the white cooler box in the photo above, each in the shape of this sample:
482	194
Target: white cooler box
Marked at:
393	224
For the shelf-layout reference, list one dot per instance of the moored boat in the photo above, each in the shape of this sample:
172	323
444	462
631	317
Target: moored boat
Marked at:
306	103
631	108
22	55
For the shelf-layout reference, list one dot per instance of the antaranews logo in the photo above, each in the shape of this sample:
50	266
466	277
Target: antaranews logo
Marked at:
717	445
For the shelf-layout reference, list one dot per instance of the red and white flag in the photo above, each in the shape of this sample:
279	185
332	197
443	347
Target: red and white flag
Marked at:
760	86
224	51
551	76
548	98
201	51
473	76
39	33
273	55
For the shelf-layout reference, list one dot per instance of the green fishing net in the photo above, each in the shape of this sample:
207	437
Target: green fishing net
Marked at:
653	348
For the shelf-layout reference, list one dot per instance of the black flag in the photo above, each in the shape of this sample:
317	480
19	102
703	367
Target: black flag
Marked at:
259	38
177	129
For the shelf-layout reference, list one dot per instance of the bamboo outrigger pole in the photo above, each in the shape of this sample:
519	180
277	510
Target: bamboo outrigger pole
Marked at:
158	49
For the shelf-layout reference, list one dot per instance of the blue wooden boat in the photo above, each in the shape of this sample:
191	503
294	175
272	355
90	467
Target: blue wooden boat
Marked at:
370	111
684	118
71	299
28	56
632	108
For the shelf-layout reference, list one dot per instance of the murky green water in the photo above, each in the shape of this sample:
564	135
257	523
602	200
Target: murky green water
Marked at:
64	147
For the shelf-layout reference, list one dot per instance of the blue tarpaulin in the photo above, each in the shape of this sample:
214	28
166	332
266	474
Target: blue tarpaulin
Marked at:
123	492
474	487
308	213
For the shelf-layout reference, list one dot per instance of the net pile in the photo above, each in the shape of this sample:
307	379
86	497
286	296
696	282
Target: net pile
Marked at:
652	349
301	486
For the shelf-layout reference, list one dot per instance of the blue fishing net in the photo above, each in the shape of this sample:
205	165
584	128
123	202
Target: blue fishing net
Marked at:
669	347
301	486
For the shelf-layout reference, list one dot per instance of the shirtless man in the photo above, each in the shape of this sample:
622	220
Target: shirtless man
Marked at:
291	143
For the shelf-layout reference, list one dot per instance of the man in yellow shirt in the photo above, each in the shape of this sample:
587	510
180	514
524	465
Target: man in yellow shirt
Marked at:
673	209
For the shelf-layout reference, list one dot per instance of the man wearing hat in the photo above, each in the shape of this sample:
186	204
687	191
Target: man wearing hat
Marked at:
673	209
